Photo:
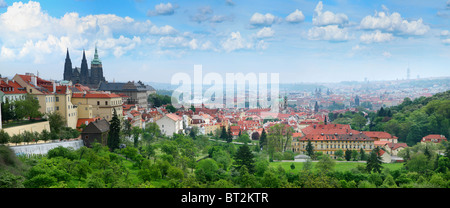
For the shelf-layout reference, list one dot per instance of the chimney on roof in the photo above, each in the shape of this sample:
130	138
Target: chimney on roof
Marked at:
54	86
33	80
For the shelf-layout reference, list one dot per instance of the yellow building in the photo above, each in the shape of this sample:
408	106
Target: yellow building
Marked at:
330	143
98	104
211	128
51	97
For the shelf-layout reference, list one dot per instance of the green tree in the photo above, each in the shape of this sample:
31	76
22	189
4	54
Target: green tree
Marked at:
348	155
374	161
27	108
136	132
263	139
244	157
362	154
339	153
325	164
56	122
114	132
358	122
206	170
7	110
4	137
171	109
310	149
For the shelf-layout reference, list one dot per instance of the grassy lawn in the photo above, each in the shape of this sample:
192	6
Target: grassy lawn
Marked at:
20	123
340	166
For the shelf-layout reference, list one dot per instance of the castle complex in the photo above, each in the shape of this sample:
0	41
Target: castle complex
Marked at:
85	76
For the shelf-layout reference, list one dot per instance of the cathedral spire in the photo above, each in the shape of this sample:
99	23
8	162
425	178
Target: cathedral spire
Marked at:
67	55
84	55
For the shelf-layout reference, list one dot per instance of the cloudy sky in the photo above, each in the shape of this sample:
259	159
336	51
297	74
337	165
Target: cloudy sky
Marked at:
302	40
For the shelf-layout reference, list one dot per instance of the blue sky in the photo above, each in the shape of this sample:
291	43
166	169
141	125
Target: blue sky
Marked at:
303	41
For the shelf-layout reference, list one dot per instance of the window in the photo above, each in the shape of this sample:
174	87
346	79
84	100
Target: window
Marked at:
106	102
57	99
57	108
98	102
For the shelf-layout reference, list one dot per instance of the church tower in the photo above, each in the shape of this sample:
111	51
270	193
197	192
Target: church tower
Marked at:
68	67
96	70
84	74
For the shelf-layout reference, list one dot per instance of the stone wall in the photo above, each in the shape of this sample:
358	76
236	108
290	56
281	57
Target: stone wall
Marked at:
42	149
33	127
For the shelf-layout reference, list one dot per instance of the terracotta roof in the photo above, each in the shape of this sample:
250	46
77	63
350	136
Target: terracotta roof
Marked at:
11	88
95	95
85	121
436	137
346	137
381	143
394	146
379	134
173	117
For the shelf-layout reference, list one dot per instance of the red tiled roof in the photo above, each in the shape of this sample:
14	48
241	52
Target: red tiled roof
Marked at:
379	134
95	95
394	146
11	88
85	121
436	137
173	117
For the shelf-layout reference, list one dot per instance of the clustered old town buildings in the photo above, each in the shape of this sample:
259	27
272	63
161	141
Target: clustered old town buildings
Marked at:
84	98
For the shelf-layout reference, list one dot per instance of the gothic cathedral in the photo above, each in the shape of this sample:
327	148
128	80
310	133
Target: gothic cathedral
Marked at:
85	76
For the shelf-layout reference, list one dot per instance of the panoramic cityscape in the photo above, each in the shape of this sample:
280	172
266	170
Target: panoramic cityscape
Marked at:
225	94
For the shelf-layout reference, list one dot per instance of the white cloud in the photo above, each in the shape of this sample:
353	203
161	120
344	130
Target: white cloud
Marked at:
376	37
387	54
183	42
28	31
265	32
446	41
259	19
445	33
236	42
330	32
394	23
162	9
6	53
327	18
295	17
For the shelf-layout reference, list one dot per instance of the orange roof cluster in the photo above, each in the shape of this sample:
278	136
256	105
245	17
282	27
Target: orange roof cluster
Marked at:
11	88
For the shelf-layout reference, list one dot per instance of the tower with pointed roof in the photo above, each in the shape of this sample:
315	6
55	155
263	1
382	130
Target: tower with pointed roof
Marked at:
96	70
68	67
85	76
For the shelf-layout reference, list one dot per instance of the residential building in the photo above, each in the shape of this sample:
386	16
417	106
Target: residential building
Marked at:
96	132
434	138
98	104
51	96
170	124
330	143
134	92
381	136
11	91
